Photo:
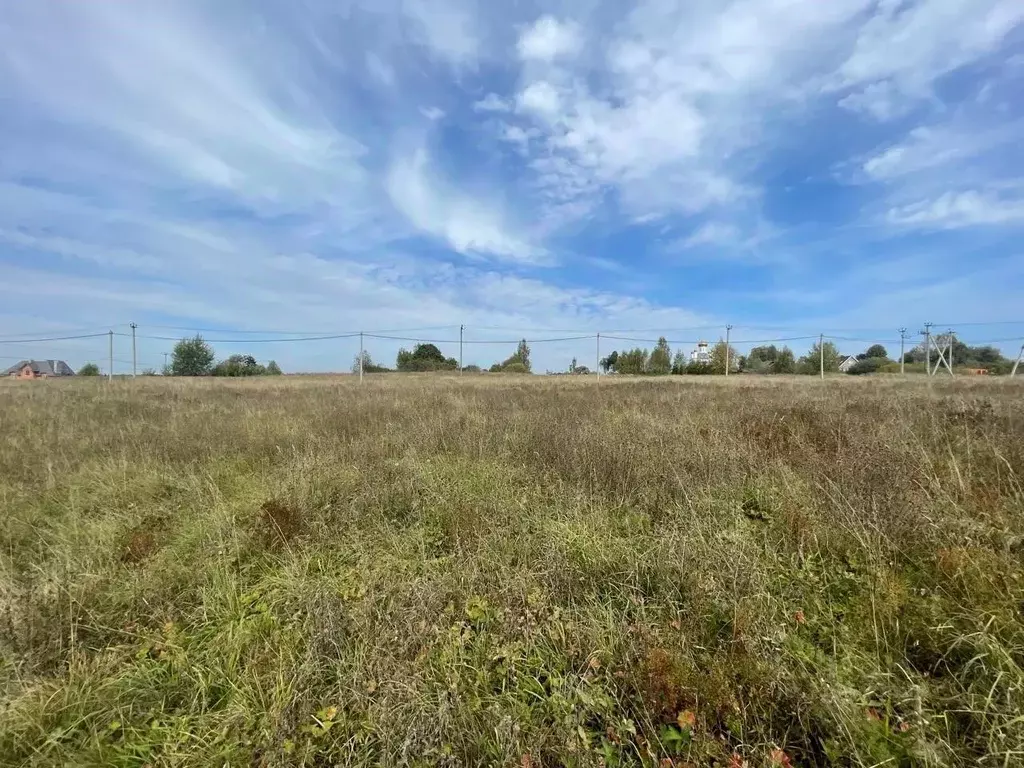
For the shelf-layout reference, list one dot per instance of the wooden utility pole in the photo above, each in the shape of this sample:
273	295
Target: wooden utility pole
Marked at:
110	370
821	354
728	328
903	339
598	366
462	328
360	357
134	326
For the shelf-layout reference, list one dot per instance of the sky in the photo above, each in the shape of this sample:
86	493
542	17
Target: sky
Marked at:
538	169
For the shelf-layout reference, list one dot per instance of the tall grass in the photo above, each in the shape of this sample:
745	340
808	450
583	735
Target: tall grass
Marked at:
524	572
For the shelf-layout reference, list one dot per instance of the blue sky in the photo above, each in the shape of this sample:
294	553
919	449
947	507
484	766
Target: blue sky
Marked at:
848	167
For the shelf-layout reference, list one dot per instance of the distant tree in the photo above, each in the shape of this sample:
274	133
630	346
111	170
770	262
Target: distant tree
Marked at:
239	365
519	362
867	365
718	358
472	369
192	357
679	363
827	352
875	350
608	363
149	372
581	370
660	361
424	357
89	369
496	368
572	366
785	362
273	369
632	362
368	365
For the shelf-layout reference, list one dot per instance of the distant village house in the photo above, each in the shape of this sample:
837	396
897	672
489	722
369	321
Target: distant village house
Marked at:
39	369
846	362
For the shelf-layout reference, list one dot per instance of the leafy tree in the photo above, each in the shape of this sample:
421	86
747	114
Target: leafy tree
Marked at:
472	369
785	362
192	357
89	369
875	350
679	363
239	365
660	361
581	370
424	357
149	372
608	363
496	368
632	362
718	357
368	365
523	355
811	362
519	362
273	369
867	365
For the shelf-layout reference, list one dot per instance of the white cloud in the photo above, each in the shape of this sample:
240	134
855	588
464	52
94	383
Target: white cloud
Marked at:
540	98
469	225
959	209
447	27
432	113
904	48
712	233
882	101
492	102
548	39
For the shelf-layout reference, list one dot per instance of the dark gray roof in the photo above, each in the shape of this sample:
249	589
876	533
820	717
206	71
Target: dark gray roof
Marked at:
44	368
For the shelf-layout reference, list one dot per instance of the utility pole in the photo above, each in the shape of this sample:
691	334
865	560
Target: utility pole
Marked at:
728	328
134	326
360	357
165	364
1021	355
461	366
927	348
597	367
110	370
821	354
903	339
952	338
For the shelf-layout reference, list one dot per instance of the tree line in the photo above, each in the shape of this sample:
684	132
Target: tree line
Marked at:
426	358
195	357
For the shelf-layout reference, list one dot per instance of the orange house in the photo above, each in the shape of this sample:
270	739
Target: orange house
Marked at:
39	369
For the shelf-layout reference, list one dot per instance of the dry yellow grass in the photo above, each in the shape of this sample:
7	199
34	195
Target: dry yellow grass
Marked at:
512	571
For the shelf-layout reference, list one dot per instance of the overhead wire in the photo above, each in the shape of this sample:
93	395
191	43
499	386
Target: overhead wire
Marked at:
54	338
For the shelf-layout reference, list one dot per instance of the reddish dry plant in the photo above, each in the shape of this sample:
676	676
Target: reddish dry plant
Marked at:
279	523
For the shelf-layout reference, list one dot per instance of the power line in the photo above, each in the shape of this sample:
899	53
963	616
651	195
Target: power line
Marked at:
249	341
54	338
337	334
474	341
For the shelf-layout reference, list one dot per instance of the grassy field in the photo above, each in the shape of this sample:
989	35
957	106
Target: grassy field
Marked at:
512	572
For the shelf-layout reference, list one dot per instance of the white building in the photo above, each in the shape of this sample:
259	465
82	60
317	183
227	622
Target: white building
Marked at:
702	354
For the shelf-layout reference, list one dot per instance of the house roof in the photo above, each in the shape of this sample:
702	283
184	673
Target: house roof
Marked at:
43	368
